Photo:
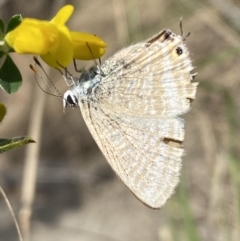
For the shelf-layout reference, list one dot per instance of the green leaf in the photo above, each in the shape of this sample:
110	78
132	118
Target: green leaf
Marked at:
10	76
3	111
14	22
2	27
9	144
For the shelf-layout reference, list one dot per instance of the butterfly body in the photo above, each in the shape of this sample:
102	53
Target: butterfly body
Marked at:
132	104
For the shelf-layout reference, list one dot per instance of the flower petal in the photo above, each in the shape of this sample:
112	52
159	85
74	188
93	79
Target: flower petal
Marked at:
62	54
33	36
87	46
63	15
53	41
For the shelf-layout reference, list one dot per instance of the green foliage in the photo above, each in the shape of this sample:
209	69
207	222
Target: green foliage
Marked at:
3	111
9	144
10	81
10	76
2	27
14	22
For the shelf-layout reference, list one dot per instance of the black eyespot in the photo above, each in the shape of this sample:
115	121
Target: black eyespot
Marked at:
179	51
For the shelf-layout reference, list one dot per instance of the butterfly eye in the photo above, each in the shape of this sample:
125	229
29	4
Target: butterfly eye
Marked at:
179	51
72	100
69	99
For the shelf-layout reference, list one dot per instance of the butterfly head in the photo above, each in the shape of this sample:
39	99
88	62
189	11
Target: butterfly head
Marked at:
69	99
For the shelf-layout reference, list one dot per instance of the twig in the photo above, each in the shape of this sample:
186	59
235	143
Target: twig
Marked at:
31	163
12	213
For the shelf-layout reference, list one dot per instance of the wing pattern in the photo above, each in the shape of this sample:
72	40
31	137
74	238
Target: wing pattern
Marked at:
133	114
156	80
136	150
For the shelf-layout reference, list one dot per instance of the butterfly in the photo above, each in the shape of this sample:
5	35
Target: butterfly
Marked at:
132	106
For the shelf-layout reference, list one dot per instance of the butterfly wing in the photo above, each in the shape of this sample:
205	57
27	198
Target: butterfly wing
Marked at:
153	79
132	114
143	152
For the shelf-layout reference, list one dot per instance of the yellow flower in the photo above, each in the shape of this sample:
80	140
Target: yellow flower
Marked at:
87	46
33	36
53	41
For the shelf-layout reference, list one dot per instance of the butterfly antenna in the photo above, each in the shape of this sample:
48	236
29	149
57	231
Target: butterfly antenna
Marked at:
52	87
40	76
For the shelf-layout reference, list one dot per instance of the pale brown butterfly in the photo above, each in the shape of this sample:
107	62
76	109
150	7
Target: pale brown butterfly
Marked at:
131	105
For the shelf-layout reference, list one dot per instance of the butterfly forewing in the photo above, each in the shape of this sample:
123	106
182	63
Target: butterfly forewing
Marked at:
154	81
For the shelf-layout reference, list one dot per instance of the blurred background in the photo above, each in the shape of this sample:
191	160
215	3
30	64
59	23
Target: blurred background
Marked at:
77	195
